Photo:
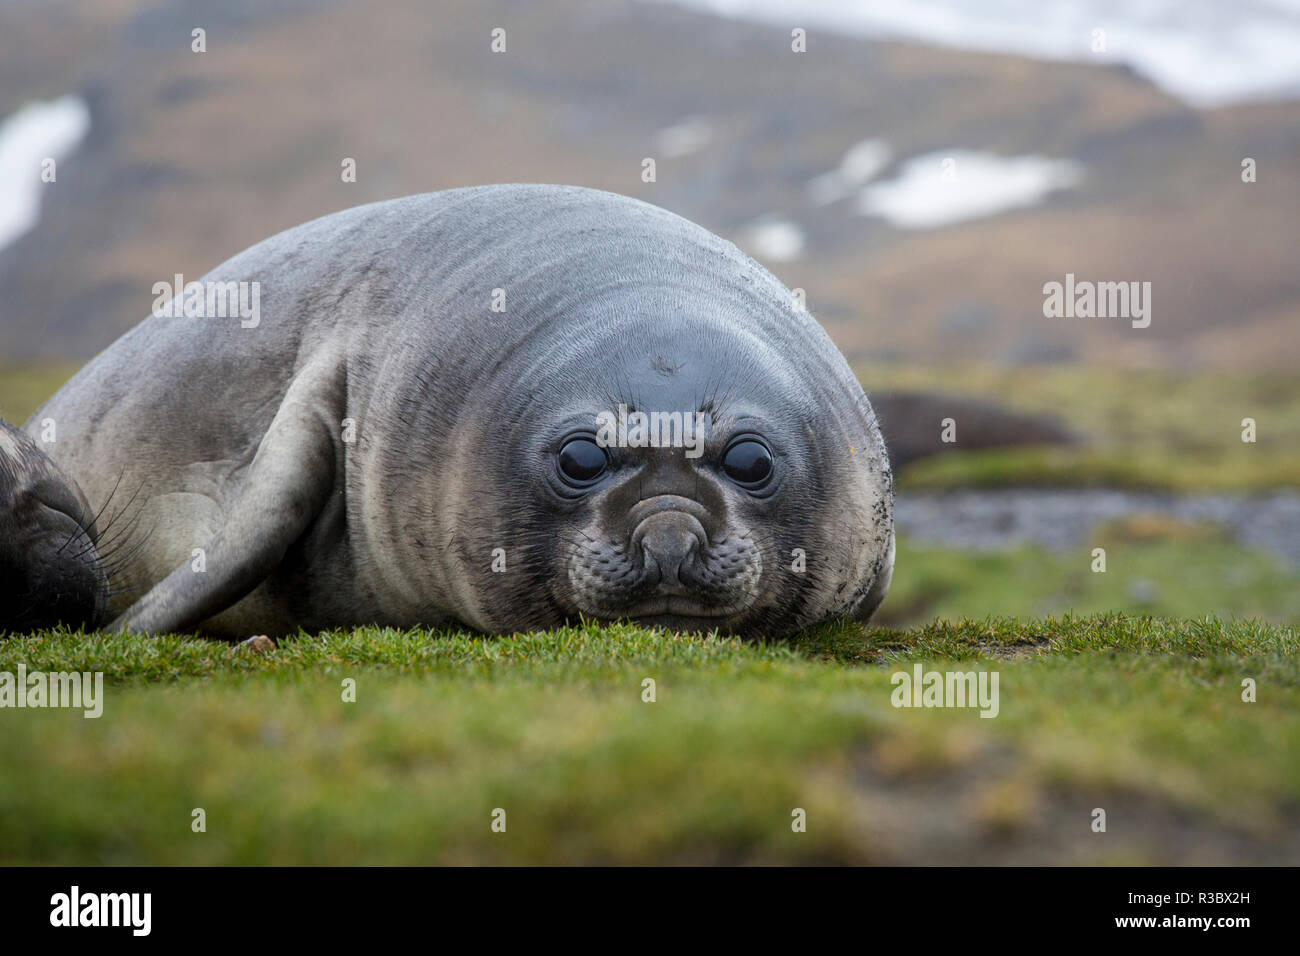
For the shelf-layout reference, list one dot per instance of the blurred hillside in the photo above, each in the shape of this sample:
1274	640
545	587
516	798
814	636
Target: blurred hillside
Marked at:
192	157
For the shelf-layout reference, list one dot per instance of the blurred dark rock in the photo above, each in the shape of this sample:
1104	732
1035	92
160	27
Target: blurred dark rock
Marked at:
912	425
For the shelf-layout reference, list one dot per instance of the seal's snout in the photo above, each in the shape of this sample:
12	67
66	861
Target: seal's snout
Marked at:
50	570
670	542
679	566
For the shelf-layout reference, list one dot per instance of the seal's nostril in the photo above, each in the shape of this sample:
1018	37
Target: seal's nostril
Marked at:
669	540
670	556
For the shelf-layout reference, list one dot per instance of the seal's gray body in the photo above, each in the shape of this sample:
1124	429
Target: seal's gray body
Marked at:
379	448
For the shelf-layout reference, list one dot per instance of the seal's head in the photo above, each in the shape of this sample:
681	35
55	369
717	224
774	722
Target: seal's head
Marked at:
50	571
679	442
706	494
731	513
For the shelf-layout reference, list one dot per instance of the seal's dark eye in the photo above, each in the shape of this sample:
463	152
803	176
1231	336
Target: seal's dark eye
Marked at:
748	462
581	459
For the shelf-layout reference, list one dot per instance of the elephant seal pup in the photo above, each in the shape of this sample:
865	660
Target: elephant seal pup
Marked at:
50	570
435	418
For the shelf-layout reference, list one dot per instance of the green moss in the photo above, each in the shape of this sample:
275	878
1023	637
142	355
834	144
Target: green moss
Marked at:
553	729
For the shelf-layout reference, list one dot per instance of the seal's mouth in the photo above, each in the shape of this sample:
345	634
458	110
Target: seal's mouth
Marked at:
671	606
51	575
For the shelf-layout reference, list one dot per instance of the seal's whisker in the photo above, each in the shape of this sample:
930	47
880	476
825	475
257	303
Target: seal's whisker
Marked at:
114	592
111	493
121	535
112	521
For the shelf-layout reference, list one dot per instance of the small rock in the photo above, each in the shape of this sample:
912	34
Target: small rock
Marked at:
258	644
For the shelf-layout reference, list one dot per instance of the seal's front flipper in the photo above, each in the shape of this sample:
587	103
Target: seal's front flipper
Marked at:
286	487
